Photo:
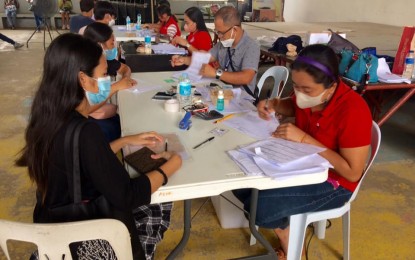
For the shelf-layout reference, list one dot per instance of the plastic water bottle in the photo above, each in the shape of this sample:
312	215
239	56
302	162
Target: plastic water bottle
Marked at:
220	102
147	42
185	90
128	23
138	24
408	70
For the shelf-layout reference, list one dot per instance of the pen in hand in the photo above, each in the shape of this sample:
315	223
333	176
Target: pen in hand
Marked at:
166	142
207	140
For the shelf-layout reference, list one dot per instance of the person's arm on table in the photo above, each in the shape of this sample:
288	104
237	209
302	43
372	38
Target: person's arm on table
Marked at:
150	139
243	77
349	162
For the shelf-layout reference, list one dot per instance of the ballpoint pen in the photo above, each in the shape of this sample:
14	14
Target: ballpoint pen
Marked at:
223	118
207	140
166	144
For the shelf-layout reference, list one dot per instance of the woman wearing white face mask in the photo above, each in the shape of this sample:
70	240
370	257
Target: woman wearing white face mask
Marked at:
328	114
199	37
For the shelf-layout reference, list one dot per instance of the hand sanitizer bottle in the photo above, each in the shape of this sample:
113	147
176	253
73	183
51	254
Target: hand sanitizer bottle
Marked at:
220	102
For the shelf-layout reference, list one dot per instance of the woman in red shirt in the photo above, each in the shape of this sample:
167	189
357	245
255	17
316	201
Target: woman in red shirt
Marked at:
199	37
329	114
167	24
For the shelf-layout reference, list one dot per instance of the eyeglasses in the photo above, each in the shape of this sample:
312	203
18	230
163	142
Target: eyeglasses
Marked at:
221	34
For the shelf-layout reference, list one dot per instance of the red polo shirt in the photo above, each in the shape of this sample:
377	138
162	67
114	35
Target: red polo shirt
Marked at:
164	29
345	122
200	40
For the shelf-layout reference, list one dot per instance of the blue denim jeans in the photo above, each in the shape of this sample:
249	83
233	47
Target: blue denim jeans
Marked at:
275	206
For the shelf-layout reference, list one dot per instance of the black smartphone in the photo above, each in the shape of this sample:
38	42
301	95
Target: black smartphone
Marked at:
163	96
212	114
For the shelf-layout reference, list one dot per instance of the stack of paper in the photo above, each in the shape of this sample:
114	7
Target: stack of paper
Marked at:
385	75
279	158
166	48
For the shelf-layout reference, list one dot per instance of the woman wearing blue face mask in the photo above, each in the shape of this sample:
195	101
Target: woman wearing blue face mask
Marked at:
62	98
103	35
103	113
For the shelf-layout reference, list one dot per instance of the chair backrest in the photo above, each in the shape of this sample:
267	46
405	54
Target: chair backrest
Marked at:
374	147
280	75
53	240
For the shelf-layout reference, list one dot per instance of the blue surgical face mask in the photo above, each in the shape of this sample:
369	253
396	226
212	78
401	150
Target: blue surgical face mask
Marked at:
104	89
111	54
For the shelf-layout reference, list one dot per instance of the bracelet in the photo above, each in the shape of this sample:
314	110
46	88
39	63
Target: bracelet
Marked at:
302	139
164	176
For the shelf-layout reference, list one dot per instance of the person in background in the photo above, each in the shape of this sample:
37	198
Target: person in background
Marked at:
65	9
63	96
104	12
325	112
38	19
167	24
199	37
105	115
10	8
78	23
16	45
237	55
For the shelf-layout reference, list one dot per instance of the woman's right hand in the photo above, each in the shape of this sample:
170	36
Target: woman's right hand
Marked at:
166	155
266	108
124	83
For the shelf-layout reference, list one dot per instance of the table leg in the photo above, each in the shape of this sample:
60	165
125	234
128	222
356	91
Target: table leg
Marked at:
186	230
252	216
397	105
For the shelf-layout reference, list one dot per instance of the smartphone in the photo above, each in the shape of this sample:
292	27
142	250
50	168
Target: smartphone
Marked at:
212	114
163	96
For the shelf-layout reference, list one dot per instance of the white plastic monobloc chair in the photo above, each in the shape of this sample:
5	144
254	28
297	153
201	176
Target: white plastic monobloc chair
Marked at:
280	75
53	240
299	222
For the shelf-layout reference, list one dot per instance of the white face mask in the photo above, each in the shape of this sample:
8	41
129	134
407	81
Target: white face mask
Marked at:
228	43
305	101
111	22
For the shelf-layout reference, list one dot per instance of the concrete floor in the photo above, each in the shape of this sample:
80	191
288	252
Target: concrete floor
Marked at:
383	216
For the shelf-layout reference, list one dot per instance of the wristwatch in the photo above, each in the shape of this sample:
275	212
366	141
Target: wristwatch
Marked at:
219	73
188	45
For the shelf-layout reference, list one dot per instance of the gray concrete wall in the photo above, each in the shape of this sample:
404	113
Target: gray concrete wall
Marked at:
398	12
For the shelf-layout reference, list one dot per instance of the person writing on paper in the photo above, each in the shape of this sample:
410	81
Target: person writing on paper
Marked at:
328	114
103	113
167	24
199	37
62	99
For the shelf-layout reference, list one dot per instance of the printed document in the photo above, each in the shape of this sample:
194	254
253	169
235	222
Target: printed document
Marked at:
198	59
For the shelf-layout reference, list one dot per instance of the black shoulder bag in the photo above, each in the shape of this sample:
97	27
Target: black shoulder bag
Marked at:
93	209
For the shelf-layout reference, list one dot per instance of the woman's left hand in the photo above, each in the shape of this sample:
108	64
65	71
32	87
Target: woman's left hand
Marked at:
289	132
124	83
149	139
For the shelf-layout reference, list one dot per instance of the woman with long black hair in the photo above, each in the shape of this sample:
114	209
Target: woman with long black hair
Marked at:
73	69
199	37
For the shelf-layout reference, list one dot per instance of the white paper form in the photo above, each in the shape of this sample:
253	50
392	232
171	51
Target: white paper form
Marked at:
280	151
306	165
167	48
246	163
143	86
198	59
251	124
385	75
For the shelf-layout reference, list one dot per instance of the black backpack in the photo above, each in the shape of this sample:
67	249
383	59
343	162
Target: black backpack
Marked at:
280	45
